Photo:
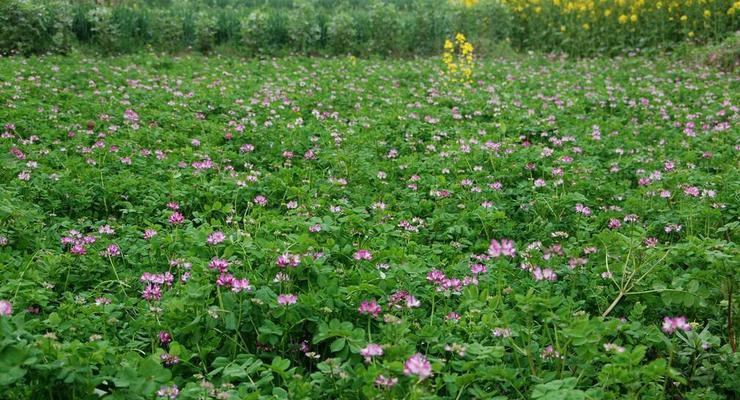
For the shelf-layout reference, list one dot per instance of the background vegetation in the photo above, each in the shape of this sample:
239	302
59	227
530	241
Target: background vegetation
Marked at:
360	27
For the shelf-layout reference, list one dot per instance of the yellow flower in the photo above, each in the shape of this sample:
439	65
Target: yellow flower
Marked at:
586	26
684	18
633	18
691	34
622	19
460	38
448	44
707	13
607	12
562	28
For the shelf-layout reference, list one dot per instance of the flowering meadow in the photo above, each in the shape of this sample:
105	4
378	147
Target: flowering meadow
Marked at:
188	227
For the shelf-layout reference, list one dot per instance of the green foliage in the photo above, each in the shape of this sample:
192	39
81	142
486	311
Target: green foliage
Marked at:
318	158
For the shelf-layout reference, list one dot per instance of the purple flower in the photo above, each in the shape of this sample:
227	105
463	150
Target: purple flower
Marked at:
168	392
219	264
130	115
544	274
169	360
436	276
418	365
216	238
5	308
288	260
672	324
152	292
176	218
165	338
384	382
112	251
260	200
287	299
78	250
363	255
505	247
370	351
370	307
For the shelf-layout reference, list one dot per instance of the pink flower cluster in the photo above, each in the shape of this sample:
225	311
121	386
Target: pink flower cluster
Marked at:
288	260
505	247
6	309
236	285
287	299
363	255
444	283
77	242
672	324
370	351
419	366
370	307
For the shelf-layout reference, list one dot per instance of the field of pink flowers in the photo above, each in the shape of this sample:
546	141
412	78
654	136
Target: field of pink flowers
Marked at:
195	228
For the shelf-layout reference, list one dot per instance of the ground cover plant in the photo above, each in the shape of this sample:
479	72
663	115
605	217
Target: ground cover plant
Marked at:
191	227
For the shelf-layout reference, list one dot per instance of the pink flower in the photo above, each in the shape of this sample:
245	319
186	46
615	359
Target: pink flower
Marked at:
452	316
370	307
672	324
149	233
412	302
169	360
78	250
164	337
544	274
501	332
260	200
176	218
614	223
385	382
219	264
216	238
287	299
240	285
168	392
112	251
692	191
549	353
370	351
152	292
505	247
651	242
6	309
130	115
613	348
288	260
436	276
418	365
363	255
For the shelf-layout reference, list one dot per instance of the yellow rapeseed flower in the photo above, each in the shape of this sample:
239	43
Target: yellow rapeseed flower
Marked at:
586	26
622	19
691	34
607	12
707	13
684	18
633	18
